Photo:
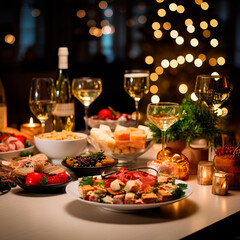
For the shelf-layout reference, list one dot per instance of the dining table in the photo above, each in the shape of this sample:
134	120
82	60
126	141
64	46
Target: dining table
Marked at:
202	215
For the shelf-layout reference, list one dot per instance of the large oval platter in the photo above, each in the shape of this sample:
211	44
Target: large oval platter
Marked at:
72	191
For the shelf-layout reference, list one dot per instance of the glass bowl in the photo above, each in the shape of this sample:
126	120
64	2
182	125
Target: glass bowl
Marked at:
125	151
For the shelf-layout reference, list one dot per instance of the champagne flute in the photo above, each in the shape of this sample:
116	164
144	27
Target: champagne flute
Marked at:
163	115
42	98
213	90
86	90
136	84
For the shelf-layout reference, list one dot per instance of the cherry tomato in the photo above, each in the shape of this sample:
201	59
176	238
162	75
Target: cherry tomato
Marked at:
63	177
53	179
3	136
105	114
34	178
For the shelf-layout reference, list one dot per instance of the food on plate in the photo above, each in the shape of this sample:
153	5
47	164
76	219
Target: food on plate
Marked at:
111	114
12	142
174	163
130	187
124	140
6	175
64	135
90	160
227	159
14	131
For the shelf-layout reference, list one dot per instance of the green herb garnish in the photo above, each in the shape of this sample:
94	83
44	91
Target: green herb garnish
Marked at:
26	154
179	192
86	181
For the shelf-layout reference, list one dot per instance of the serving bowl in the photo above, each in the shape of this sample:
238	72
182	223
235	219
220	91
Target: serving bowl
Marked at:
125	151
59	149
17	153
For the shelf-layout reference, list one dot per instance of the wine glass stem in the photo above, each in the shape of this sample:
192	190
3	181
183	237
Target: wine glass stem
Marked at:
86	118
163	144
43	126
136	106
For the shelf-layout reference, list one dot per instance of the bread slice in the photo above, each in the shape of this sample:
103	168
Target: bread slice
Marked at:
40	157
51	169
25	169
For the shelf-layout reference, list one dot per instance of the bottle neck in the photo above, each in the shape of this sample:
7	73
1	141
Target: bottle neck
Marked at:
63	62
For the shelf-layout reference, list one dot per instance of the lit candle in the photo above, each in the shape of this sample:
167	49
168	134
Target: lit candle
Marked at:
205	172
220	183
31	129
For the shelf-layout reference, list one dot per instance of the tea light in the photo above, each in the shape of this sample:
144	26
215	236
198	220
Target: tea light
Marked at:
220	183
31	129
205	173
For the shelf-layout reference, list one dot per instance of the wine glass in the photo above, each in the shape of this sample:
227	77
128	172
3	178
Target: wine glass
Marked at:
136	84
214	90
86	90
163	115
42	98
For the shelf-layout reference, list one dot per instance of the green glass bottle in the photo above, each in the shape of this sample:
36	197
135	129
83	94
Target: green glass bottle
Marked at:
64	113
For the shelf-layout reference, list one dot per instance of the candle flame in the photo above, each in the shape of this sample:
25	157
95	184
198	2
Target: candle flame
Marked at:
204	174
31	124
224	185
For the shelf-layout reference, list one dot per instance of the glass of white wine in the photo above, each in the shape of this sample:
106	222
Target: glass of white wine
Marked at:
136	84
86	90
163	115
42	98
214	90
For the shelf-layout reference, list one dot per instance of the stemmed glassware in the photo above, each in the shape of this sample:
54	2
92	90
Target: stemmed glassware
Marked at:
86	90
163	115
136	84
213	90
42	98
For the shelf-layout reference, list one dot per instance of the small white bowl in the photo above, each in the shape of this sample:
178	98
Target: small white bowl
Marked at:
60	149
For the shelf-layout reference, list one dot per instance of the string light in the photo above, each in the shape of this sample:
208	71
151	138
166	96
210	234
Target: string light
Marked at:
165	63
179	40
153	77
180	9
189	57
203	25
214	23
194	97
156	25
212	62
194	42
204	6
174	33
81	13
173	63
159	70
180	59
206	33
221	61
173	7
202	57
158	34
103	4
188	22
167	25
10	39
198	62
149	60
190	28
155	99
214	42
183	88
161	12
154	89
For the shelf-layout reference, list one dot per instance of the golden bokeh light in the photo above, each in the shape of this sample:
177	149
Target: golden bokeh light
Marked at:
161	12
180	59
194	97
212	62
103	4
149	60
165	63
198	2
221	61
173	7
190	28
214	42
206	33
167	25
158	34
156	25
188	22
180	9
214	74
10	39
198	62
204	6
174	33
189	57
154	89
202	57
159	1
183	88
155	99
173	63
81	13
179	40
159	70
194	42
214	23
203	25
153	77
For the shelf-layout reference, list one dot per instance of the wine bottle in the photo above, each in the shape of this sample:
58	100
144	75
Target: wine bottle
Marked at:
3	107
64	113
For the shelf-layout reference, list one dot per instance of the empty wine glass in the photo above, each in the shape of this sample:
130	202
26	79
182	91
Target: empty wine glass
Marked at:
136	84
86	90
214	90
163	115
42	98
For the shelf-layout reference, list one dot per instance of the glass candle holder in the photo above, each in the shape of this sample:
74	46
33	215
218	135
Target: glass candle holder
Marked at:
220	183
205	172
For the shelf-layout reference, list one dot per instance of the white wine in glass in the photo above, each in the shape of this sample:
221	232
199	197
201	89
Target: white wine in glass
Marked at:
42	98
163	115
214	90
86	90
136	84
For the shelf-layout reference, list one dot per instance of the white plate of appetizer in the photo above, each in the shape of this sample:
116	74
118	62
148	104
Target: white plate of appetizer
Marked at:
129	190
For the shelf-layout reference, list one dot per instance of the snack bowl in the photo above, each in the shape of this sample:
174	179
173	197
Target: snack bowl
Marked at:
18	153
125	151
59	149
44	188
